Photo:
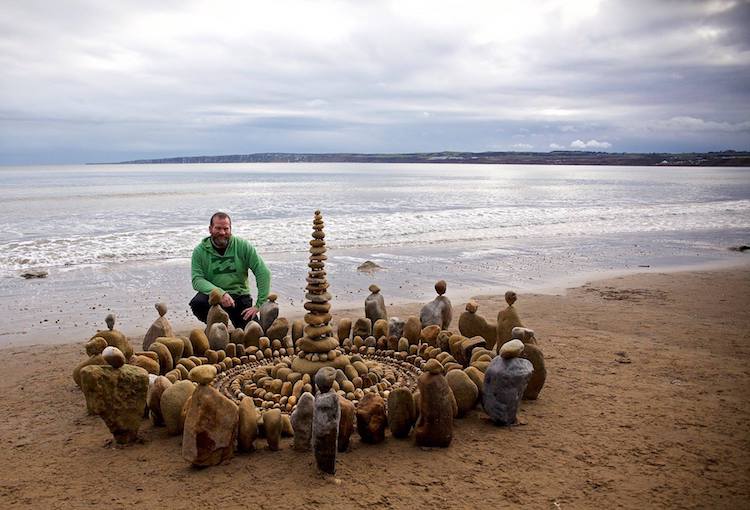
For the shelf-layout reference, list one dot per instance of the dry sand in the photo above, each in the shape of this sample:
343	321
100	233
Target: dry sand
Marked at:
668	429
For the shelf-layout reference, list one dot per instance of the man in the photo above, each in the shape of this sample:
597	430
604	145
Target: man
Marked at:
221	261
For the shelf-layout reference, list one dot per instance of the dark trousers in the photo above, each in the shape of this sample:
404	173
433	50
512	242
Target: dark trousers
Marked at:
199	305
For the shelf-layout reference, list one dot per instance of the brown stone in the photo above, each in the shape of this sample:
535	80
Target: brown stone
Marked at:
371	418
211	424
346	423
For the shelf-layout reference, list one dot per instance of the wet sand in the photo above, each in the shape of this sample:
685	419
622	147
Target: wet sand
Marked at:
647	405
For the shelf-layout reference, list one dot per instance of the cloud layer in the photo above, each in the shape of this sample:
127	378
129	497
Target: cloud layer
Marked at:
103	81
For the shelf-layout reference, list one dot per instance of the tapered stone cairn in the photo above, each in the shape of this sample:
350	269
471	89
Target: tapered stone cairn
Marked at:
318	348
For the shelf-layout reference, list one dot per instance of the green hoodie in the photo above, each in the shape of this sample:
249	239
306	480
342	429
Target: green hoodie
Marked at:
228	272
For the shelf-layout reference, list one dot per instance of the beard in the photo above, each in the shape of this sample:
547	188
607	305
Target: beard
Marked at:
220	241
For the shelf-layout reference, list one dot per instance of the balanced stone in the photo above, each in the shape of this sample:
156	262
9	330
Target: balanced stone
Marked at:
247	430
375	305
402	412
371	418
438	311
172	405
470	324
464	391
118	396
203	374
160	327
511	349
302	417
507	319
113	356
437	406
269	312
504	384
216	314
211	423
117	339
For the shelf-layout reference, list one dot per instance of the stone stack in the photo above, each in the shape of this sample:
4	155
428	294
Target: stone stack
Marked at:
318	348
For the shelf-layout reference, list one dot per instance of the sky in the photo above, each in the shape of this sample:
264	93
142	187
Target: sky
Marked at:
92	81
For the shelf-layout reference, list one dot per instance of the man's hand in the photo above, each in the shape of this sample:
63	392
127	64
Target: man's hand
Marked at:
227	301
249	313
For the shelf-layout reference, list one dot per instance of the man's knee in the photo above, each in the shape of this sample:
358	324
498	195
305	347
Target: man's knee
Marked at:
199	305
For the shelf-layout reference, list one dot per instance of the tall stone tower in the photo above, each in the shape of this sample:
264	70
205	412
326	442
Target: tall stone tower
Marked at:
317	348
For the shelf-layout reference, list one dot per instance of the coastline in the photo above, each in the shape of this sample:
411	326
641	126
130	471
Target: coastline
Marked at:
638	433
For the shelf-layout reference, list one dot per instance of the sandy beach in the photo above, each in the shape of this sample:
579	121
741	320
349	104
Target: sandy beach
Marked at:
646	405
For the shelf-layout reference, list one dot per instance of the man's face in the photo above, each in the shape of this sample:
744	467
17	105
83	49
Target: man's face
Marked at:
221	232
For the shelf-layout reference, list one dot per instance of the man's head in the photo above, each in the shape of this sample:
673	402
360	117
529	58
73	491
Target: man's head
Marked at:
220	229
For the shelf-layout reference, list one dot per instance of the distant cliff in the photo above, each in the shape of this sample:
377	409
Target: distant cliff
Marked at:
725	158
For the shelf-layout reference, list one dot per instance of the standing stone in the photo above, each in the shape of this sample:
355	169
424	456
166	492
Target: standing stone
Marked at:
199	340
471	324
253	332
438	311
160	327
298	329
326	417
218	336
216	314
346	423
272	426
375	305
464	391
211	422
507	320
302	417
412	330
380	328
504	383
436	407
536	382
362	327
269	312
248	426
172	405
278	329
153	399
396	327
402	412
344	329
118	396
371	418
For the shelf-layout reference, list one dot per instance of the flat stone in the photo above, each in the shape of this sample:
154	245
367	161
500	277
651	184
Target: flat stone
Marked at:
211	424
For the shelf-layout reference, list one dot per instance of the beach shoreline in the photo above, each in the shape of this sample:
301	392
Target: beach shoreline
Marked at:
69	319
668	428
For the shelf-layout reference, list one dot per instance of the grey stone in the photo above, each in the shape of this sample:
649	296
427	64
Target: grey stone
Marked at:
504	383
325	430
302	418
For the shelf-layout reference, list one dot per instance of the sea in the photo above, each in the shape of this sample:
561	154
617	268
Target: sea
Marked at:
118	238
